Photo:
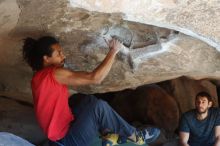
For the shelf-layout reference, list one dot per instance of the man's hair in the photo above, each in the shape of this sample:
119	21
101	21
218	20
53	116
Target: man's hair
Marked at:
204	94
34	50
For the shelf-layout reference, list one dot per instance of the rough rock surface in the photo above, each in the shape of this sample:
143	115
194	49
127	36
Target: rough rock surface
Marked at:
198	18
163	40
146	104
150	54
184	90
17	117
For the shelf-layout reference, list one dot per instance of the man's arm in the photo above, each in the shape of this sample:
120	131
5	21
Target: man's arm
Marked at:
217	136
184	137
74	78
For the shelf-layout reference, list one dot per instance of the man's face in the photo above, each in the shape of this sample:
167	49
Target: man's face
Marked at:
202	105
57	58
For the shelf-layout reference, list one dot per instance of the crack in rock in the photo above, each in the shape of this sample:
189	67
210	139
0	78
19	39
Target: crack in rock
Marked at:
136	48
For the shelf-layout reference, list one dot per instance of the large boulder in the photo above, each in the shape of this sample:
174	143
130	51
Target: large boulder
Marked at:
18	117
198	18
151	53
148	105
185	90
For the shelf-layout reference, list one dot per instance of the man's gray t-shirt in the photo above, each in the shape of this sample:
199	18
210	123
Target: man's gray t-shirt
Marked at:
202	132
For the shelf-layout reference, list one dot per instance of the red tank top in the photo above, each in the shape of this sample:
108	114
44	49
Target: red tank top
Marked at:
51	104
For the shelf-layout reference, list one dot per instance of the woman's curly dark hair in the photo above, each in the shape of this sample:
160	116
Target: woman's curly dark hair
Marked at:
34	50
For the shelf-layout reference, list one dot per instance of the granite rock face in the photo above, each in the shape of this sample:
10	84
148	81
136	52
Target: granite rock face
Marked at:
149	105
184	91
162	39
17	117
198	18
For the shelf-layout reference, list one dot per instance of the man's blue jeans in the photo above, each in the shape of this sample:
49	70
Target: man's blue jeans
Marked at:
93	116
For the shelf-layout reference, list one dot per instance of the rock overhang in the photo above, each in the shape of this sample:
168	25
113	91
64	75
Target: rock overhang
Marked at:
152	53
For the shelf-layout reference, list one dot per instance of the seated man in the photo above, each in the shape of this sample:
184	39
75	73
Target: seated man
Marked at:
89	115
201	126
